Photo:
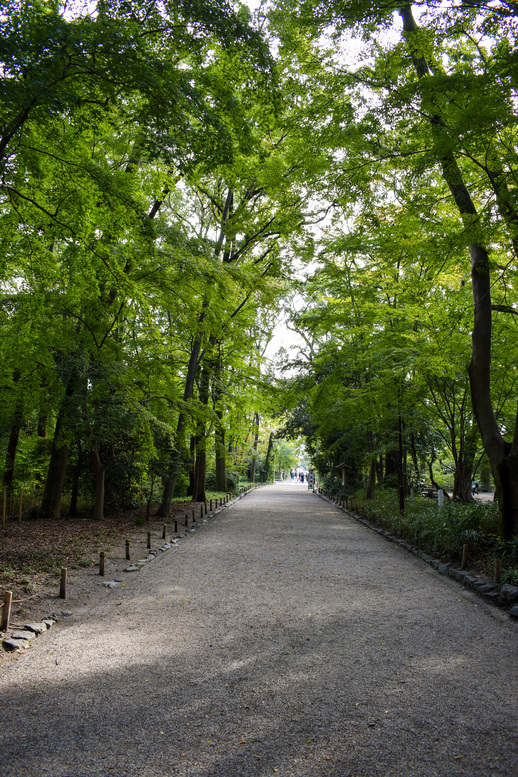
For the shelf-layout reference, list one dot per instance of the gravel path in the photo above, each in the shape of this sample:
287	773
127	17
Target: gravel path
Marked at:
282	638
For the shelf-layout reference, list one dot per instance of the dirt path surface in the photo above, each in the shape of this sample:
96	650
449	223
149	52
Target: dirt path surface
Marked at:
282	638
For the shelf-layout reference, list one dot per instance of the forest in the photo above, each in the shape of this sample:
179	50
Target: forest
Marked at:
180	178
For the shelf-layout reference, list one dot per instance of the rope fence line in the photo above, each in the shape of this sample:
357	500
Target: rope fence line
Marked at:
8	601
39	593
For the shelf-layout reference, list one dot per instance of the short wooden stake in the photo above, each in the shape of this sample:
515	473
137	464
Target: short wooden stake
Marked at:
497	571
201	512
163	531
193	517
464	557
149	540
210	505
176	527
102	556
128	550
206	508
63	584
6	610
186	519
20	505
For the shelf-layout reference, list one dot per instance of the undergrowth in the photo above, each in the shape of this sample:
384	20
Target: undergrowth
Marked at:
444	531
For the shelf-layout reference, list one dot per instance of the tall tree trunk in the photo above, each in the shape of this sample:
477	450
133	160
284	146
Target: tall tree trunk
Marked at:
12	446
219	430
485	477
380	473
200	469
192	461
463	476
99	469
268	456
503	456
76	477
174	461
221	458
51	500
42	422
401	467
371	482
256	443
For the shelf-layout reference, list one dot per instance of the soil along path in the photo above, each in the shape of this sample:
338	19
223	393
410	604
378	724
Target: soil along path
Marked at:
282	638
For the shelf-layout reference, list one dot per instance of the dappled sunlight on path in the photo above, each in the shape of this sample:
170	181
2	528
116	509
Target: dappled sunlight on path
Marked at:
282	638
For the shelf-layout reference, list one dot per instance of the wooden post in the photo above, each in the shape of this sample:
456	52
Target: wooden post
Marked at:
186	519
497	571
4	506
193	517
464	557
206	510
63	584
201	512
176	527
102	557
20	505
6	610
163	531
210	505
149	540
128	550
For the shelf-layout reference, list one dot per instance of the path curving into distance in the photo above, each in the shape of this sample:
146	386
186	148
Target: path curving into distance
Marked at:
282	638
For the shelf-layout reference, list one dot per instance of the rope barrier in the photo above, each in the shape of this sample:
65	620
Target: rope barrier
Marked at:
19	601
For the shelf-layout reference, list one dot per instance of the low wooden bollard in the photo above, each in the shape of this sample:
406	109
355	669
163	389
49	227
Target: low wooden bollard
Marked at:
186	519
149	540
201	512
176	527
63	584
210	505
193	516
128	550
6	610
163	531
206	508
102	557
464	557
496	579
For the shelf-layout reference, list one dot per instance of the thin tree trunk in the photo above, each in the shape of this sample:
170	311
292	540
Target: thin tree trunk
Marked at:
99	471
371	482
256	443
75	482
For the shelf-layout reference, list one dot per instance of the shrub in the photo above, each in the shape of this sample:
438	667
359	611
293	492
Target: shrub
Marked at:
442	531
